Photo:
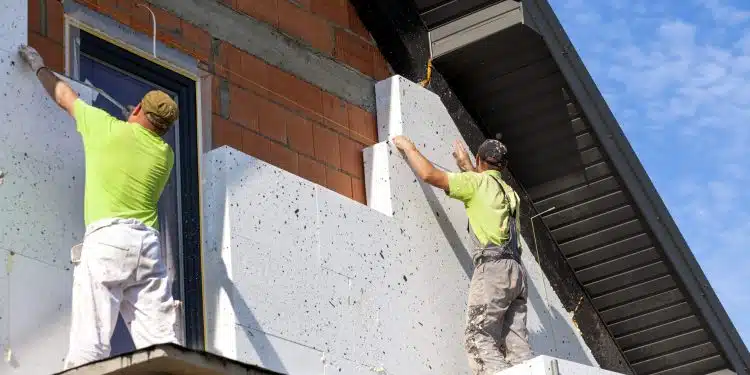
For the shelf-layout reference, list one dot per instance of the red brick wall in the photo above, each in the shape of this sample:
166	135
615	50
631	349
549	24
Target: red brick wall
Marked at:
270	114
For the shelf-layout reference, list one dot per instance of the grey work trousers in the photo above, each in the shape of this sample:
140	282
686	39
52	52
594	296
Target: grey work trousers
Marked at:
496	334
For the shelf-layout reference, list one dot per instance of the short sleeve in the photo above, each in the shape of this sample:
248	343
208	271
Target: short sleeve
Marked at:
463	186
90	120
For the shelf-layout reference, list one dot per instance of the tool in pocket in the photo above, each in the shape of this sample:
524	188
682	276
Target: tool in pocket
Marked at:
75	253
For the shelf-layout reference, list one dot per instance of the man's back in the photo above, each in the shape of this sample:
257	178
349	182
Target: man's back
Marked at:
488	201
127	167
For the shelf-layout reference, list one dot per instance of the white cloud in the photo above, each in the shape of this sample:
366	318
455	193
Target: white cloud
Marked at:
677	34
681	89
744	44
723	12
701	85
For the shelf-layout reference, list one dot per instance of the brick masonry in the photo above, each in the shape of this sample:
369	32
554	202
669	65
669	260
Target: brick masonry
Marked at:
259	108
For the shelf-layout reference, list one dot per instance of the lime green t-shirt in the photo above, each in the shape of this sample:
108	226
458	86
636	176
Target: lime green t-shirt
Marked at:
127	167
486	208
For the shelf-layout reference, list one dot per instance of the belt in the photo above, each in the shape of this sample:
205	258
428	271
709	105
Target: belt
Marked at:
490	255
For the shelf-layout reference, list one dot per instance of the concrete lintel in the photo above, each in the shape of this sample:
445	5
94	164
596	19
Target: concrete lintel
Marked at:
128	38
275	48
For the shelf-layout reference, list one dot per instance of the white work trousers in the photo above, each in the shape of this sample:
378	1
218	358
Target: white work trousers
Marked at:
120	270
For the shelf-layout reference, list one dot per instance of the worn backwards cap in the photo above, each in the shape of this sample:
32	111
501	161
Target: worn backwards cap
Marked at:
493	152
160	109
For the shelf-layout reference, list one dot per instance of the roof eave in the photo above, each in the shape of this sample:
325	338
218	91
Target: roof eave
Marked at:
539	16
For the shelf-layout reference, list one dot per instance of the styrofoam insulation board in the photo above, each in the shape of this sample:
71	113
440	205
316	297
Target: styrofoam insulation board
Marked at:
544	365
295	272
41	209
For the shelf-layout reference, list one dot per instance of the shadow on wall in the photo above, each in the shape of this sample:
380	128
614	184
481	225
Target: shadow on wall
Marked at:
24	315
269	358
263	347
56	326
450	233
554	332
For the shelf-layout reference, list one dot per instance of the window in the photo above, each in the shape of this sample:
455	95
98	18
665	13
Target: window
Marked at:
126	77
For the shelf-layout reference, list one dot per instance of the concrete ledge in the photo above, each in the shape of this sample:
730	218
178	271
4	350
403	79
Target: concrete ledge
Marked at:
167	359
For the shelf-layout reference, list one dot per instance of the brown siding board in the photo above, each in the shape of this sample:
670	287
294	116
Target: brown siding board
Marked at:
585	226
609	251
588	175
642	305
578	194
650	319
664	346
696	366
600	238
658	333
630	277
618	265
585	209
633	292
675	359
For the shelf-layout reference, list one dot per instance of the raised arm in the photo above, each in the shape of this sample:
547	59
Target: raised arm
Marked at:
424	169
58	90
462	157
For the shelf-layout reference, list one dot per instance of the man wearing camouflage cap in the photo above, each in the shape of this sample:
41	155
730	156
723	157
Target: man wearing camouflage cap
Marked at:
119	267
496	336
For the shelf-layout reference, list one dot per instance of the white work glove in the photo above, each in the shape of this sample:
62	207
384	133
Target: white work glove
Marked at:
31	57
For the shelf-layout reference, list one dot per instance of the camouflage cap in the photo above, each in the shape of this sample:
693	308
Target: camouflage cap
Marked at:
160	109
493	152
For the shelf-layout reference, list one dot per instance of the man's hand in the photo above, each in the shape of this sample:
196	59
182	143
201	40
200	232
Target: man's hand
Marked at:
58	90
32	58
403	143
462	157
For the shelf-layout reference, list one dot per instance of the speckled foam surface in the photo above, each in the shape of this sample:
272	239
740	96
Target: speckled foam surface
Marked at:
543	365
41	209
13	24
305	281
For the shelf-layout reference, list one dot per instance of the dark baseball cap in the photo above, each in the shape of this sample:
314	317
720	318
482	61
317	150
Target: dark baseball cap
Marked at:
493	152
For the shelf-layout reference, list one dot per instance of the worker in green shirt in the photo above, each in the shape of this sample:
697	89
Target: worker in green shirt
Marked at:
119	267
496	336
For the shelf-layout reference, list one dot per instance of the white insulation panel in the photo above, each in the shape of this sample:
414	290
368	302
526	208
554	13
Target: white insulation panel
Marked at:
545	365
305	281
41	209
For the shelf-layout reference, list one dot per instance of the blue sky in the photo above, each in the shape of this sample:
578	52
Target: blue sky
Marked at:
677	76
